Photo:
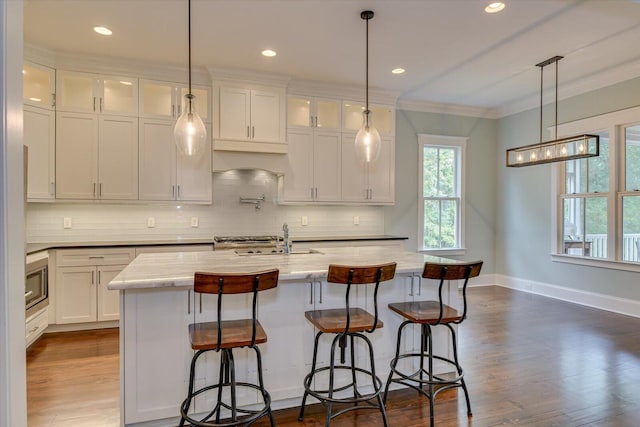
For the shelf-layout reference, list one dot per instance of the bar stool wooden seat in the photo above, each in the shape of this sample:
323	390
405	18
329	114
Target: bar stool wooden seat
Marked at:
347	324
223	336
429	314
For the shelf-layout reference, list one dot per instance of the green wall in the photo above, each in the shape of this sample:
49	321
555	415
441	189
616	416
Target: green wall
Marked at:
402	219
524	217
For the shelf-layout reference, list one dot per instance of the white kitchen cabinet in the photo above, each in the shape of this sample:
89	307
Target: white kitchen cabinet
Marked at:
383	117
165	100
313	166
250	118
96	156
38	86
166	175
39	136
372	183
313	112
92	93
82	276
35	326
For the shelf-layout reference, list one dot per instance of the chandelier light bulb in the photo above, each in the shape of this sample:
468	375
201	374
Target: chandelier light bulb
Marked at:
368	142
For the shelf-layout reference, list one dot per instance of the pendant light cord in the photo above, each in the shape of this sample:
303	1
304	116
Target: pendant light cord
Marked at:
556	128
541	88
367	67
189	29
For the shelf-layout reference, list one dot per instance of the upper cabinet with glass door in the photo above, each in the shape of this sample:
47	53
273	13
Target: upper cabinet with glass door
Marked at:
92	93
383	117
38	86
310	112
165	100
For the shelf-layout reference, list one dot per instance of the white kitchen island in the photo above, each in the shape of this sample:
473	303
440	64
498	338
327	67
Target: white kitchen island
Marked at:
158	304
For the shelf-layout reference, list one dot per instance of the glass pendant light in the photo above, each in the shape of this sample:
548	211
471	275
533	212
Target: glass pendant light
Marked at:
189	133
368	143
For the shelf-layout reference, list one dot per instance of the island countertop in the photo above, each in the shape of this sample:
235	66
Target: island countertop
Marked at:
177	269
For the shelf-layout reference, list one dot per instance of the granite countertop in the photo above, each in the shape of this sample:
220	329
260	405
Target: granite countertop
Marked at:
37	247
177	269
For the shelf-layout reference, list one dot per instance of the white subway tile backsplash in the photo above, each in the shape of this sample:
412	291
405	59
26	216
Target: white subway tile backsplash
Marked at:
226	216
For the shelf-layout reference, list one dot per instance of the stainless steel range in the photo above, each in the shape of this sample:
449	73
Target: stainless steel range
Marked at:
250	245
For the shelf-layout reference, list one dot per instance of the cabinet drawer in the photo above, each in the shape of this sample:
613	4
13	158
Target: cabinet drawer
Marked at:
172	248
82	257
35	326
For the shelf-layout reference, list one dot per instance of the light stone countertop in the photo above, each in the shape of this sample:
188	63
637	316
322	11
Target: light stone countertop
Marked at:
177	269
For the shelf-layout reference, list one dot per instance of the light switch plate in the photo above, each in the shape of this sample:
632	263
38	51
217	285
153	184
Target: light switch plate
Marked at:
151	222
194	221
304	220
67	222
356	220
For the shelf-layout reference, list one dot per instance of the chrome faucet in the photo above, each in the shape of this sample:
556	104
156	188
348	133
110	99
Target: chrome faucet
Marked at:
287	244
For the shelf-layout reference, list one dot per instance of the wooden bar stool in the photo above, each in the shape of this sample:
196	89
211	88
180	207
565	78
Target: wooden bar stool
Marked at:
223	336
428	314
348	323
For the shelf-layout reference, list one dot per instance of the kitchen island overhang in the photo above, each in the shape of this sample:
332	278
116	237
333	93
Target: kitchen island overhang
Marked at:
158	304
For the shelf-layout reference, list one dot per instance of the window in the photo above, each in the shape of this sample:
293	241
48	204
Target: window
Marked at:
441	192
599	211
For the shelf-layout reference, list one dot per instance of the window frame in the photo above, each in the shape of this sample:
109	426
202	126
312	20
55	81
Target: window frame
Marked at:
442	141
615	124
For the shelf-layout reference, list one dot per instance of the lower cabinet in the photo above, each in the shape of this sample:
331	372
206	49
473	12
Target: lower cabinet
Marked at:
81	283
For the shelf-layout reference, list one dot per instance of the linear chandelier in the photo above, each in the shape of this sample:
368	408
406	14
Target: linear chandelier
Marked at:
557	150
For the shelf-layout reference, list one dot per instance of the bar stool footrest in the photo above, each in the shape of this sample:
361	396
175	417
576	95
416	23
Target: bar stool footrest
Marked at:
322	394
243	419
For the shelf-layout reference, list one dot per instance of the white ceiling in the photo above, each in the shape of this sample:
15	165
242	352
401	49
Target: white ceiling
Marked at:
453	51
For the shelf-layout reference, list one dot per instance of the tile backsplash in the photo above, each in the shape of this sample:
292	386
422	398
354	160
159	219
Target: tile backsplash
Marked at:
226	216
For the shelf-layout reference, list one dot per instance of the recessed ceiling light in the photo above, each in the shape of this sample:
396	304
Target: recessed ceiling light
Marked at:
269	52
494	7
103	31
35	99
24	72
126	83
398	70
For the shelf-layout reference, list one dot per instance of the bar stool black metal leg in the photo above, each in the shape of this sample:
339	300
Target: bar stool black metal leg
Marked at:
376	388
332	363
309	378
356	394
187	402
431	385
263	391
459	369
394	361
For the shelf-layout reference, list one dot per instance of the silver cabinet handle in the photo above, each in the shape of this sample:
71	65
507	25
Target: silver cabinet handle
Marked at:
53	100
173	191
411	291
100	104
253	131
173	110
28	294
247	132
316	125
94	103
200	296
93	281
320	283
419	285
311	293
99	280
53	189
96	257
188	302
100	190
94	190
178	191
32	330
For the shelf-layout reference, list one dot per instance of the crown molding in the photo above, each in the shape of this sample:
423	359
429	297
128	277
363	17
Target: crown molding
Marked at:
114	65
248	76
609	77
341	91
442	108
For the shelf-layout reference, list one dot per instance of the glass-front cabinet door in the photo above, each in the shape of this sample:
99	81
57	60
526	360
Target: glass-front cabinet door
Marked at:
383	117
38	86
77	92
310	112
119	95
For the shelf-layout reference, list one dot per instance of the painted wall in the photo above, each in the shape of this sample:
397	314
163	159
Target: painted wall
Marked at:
402	219
524	217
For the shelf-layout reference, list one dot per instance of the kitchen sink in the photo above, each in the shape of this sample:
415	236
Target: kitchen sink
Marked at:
273	251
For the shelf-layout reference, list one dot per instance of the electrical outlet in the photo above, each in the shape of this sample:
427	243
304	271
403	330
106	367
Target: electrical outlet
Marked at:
151	222
356	220
67	222
194	221
304	220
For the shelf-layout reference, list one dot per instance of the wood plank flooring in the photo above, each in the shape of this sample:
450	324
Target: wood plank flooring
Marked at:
529	360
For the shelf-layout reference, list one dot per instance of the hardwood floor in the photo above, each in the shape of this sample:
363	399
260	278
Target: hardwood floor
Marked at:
529	360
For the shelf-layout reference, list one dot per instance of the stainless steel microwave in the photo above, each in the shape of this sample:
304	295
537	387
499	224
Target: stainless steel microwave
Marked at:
36	292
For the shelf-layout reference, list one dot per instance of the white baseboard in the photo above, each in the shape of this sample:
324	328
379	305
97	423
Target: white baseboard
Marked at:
70	327
590	299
